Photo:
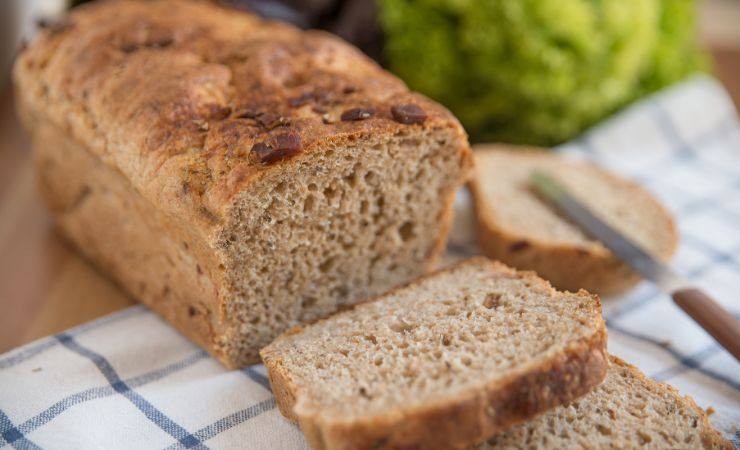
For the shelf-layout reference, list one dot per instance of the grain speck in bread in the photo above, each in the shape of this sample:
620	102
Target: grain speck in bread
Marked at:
443	362
627	410
198	156
518	228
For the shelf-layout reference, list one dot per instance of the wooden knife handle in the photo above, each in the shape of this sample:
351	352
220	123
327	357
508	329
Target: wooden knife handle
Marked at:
711	316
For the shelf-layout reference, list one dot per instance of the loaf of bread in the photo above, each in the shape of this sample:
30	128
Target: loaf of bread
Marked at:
443	362
519	228
237	176
627	411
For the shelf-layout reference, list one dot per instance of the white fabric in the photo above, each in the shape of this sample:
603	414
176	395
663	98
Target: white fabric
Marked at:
129	380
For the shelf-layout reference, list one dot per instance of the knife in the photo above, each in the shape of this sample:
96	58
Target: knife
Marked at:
719	323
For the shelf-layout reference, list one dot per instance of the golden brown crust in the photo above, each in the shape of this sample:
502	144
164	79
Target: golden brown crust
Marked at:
473	416
166	91
95	208
568	267
282	387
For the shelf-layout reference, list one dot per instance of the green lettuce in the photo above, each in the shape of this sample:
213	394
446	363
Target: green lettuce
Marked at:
538	71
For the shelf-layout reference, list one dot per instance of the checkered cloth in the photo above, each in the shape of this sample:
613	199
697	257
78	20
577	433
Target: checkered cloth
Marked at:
131	381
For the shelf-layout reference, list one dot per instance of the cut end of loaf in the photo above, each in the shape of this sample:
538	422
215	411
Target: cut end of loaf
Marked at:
344	223
447	360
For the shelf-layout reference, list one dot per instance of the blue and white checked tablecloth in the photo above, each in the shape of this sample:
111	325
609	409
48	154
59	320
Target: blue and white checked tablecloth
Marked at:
131	381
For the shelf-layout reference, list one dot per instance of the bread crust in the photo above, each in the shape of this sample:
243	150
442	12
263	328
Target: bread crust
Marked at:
166	98
181	138
568	267
473	415
95	208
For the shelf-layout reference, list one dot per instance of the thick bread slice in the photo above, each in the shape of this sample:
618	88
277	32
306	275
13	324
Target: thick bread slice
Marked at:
238	176
517	227
628	410
443	362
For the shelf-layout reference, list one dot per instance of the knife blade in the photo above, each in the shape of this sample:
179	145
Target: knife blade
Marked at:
619	244
703	309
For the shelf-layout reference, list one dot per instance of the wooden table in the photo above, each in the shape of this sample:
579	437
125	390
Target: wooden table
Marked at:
44	286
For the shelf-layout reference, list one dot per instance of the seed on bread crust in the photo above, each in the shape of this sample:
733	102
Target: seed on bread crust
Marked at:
246	112
218	112
408	114
356	114
301	100
262	150
272	120
163	42
284	145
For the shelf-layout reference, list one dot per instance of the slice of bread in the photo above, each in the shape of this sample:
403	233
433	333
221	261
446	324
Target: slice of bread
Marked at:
443	362
627	411
517	227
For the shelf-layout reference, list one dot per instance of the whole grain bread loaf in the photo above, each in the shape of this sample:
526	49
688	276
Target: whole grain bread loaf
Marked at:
628	410
443	362
238	176
519	228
